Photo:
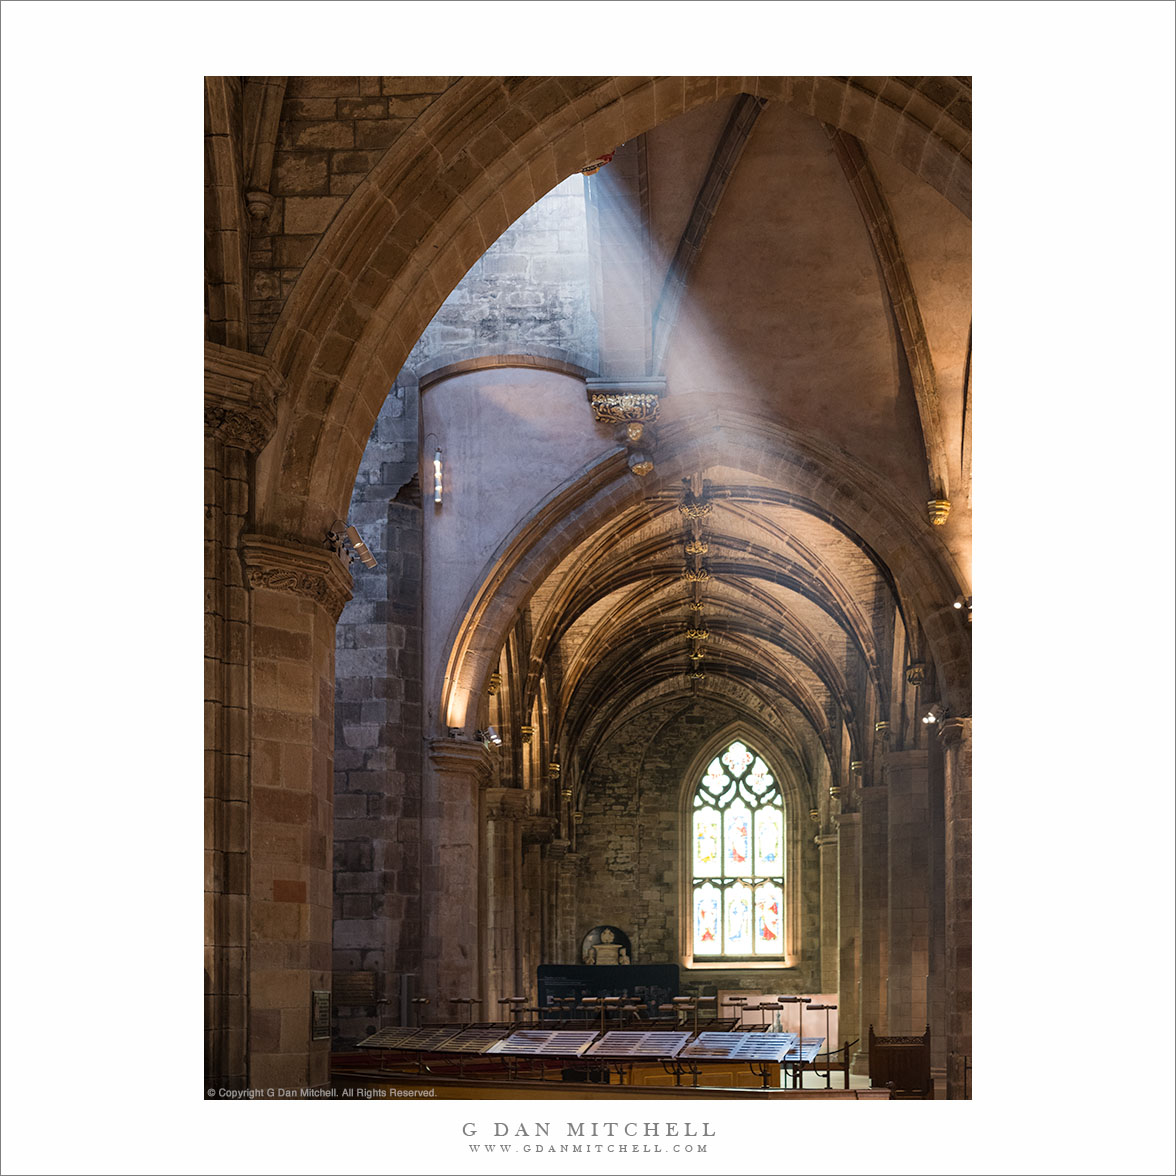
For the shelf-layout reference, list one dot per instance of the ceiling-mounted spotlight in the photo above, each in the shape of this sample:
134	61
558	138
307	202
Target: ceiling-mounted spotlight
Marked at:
489	737
935	714
341	534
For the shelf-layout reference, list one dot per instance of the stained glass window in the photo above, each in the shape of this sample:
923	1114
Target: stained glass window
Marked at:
738	858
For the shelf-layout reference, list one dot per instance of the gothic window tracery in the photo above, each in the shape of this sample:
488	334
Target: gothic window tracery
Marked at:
737	886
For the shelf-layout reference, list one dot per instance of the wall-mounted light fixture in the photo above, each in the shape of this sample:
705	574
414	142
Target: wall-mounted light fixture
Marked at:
489	737
343	534
961	603
935	714
437	468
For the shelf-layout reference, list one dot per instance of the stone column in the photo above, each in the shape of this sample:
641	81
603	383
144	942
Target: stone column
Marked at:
505	808
937	1011
538	833
297	592
240	396
452	894
830	945
908	860
874	916
565	866
956	736
849	925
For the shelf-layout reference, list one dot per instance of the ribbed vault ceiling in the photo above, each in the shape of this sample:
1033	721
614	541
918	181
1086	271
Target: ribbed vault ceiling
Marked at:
792	608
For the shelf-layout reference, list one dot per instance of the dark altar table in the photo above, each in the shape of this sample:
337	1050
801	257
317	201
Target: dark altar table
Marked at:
644	984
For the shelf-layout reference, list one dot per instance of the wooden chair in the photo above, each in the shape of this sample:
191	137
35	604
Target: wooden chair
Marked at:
903	1064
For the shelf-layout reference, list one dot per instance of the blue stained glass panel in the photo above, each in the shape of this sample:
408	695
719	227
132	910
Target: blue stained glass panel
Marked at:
707	939
769	840
737	857
738	919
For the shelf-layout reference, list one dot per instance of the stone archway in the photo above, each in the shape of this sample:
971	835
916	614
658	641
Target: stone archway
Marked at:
478	158
463	172
922	568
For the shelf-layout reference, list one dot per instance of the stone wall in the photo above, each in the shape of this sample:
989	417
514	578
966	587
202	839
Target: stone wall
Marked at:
527	295
631	839
332	132
378	759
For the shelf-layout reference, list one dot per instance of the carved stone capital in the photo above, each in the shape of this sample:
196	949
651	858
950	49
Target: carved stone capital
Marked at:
259	205
313	572
916	673
622	401
937	511
460	757
826	841
507	804
241	394
539	830
558	847
955	730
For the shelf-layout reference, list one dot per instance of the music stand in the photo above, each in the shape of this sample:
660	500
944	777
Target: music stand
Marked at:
827	1008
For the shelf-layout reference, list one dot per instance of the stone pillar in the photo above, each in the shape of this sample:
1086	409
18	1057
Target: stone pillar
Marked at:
564	949
956	736
538	833
622	294
505	808
874	916
379	745
830	945
849	925
936	1008
908	860
240	395
452	896
297	592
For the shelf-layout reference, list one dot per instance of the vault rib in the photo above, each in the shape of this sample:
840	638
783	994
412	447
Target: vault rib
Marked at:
901	291
722	166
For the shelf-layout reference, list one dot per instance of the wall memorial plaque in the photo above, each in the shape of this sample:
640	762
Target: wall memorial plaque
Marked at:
606	946
320	1014
354	988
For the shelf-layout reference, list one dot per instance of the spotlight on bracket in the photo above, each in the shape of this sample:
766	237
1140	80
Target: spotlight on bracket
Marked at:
962	602
341	534
936	714
489	737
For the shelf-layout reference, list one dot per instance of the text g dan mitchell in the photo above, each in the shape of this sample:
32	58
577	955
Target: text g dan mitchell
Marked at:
609	1129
